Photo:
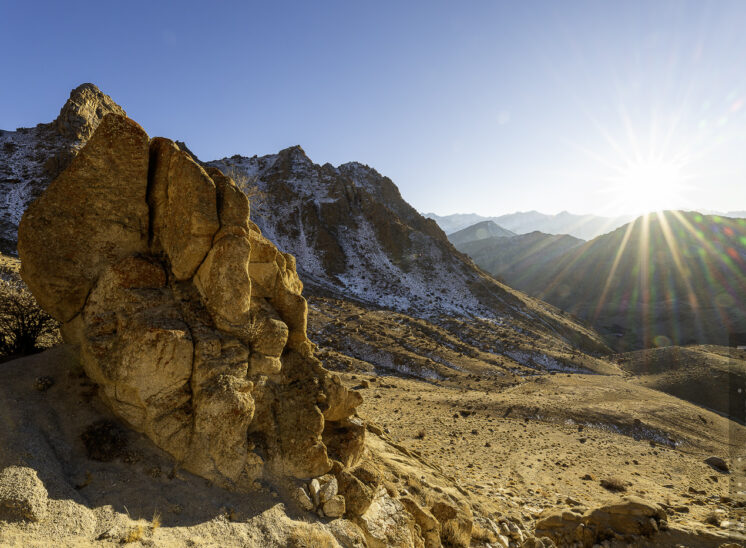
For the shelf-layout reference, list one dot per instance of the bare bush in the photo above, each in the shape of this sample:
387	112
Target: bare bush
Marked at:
249	185
24	327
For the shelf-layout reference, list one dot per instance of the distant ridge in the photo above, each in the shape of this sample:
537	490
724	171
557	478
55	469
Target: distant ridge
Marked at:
585	227
479	231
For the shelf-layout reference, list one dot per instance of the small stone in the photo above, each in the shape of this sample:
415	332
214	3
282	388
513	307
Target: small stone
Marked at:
44	383
335	506
303	498
314	487
329	487
718	464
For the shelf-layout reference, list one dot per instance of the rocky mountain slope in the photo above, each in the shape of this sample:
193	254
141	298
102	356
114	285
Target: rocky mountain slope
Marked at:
584	227
31	157
478	231
355	238
673	277
514	258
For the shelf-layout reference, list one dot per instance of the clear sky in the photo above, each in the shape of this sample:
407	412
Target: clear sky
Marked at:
486	107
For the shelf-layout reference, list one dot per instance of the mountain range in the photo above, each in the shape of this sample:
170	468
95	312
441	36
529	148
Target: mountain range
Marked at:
668	278
585	227
479	231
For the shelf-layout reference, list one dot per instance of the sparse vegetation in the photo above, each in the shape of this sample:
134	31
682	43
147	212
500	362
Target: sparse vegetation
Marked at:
248	185
24	327
454	535
134	534
308	536
482	534
615	485
155	523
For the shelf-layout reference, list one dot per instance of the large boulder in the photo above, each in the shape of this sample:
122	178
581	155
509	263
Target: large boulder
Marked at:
189	320
93	215
632	519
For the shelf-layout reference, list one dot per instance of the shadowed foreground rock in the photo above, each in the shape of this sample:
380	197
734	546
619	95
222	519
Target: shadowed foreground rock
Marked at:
189	320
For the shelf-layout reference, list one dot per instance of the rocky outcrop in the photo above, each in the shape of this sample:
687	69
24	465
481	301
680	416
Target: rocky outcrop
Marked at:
628	520
190	321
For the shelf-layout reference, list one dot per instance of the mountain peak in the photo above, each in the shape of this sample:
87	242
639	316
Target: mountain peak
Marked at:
83	111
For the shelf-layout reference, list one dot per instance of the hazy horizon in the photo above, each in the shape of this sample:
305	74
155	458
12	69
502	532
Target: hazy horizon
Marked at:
614	109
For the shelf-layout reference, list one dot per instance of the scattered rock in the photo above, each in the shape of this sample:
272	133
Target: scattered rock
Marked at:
43	383
631	517
303	499
334	507
718	464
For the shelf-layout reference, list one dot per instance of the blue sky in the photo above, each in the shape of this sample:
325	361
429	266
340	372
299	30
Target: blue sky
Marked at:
486	107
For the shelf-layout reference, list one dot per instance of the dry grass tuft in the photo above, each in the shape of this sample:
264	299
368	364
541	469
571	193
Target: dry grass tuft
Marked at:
155	523
307	536
482	534
454	536
134	534
615	485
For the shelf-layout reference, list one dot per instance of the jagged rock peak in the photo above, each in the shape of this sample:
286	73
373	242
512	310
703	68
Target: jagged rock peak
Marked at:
295	155
358	167
83	112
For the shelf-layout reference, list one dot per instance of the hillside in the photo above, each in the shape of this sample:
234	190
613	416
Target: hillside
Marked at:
355	238
515	258
707	375
479	231
669	278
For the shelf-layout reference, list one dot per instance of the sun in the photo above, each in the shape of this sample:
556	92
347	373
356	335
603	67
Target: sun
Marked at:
653	185
646	186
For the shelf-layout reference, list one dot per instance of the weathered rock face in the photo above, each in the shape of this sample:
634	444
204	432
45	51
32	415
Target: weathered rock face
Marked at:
189	320
31	157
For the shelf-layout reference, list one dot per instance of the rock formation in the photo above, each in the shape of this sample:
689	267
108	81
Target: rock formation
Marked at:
189	320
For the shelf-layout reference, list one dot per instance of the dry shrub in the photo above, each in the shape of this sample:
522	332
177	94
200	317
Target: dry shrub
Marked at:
248	185
24	327
615	485
134	534
482	534
306	535
454	535
155	523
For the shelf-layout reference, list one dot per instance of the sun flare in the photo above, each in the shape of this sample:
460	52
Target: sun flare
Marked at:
648	186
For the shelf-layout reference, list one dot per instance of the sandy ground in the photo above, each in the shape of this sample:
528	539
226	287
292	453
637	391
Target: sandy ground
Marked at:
550	441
